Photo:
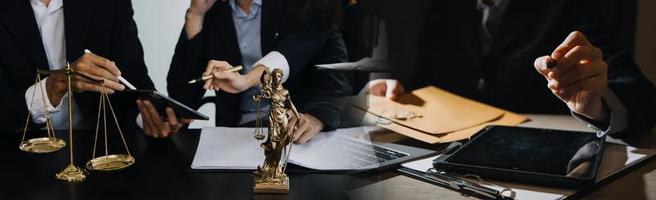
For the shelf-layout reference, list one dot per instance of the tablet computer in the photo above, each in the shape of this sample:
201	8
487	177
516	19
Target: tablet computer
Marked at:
536	156
161	101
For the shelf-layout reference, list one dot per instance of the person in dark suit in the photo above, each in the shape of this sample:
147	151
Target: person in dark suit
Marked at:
257	34
40	34
501	52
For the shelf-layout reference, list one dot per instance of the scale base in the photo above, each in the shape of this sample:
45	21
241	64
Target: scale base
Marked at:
273	187
110	162
71	174
42	145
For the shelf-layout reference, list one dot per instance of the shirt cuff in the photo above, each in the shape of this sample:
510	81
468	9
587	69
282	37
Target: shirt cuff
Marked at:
274	60
618	116
36	98
139	121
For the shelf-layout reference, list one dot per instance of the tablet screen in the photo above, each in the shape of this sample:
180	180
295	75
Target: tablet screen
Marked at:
563	153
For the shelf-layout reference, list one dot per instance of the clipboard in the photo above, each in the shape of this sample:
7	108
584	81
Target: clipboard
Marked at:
161	101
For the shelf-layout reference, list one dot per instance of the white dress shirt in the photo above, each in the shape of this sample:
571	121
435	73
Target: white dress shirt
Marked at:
50	21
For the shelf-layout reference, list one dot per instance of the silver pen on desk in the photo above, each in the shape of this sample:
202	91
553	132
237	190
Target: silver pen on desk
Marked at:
458	183
120	78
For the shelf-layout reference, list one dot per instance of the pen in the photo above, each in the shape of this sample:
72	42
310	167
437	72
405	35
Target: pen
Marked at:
204	78
551	63
120	78
454	182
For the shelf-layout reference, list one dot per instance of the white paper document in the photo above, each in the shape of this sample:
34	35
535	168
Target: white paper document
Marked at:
342	149
427	163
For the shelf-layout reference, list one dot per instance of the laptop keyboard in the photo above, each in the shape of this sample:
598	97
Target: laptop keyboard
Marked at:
361	154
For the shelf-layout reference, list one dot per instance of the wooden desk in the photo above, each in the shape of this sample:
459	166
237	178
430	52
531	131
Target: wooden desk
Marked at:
636	183
162	172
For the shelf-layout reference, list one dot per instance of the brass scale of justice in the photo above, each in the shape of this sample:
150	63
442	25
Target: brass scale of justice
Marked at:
270	177
50	143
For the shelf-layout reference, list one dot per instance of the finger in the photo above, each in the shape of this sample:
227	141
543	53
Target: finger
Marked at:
103	63
165	129
147	119
187	121
575	38
156	118
291	124
226	75
82	85
145	127
94	71
307	135
580	72
394	89
114	85
540	65
172	119
215	65
590	84
576	56
301	128
377	87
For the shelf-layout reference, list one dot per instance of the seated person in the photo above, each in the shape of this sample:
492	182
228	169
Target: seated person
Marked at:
256	34
40	34
531	56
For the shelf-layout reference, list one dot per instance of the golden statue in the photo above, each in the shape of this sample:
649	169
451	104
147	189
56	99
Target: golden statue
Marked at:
270	177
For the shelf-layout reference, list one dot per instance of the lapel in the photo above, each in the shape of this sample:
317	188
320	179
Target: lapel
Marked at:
18	17
76	22
520	18
271	11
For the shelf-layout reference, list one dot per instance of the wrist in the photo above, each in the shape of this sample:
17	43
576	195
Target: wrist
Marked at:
597	111
255	74
194	14
55	90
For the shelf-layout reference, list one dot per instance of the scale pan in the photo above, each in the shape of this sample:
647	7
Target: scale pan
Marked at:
110	162
42	145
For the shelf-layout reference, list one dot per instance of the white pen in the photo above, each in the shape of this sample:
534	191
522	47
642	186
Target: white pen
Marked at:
120	78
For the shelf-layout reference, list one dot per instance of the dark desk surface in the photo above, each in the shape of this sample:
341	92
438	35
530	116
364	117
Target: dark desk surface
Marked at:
162	171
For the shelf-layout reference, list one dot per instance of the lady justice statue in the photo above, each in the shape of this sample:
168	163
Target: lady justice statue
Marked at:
270	177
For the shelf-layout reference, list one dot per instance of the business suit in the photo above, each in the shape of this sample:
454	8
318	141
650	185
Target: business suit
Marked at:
105	27
284	28
451	56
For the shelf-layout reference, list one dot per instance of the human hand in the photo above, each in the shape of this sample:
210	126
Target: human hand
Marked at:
304	129
231	82
388	88
577	74
89	66
200	7
153	124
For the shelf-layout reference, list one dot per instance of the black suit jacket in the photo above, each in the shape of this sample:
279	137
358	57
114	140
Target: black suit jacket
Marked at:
286	28
104	27
451	58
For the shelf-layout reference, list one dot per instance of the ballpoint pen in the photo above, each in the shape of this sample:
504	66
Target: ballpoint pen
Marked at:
120	78
456	183
207	77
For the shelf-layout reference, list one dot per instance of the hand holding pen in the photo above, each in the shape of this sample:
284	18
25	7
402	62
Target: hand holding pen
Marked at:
225	77
88	65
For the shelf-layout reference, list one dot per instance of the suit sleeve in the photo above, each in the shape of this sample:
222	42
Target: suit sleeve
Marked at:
305	41
128	54
188	62
624	77
13	104
330	87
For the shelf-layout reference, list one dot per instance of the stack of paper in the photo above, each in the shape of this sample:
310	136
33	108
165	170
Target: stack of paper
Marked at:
439	116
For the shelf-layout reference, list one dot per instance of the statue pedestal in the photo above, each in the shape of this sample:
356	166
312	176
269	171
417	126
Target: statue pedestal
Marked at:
280	186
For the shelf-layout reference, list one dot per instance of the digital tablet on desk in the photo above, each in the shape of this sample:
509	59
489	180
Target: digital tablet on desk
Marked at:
161	101
529	155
